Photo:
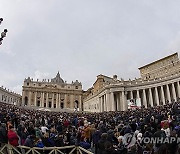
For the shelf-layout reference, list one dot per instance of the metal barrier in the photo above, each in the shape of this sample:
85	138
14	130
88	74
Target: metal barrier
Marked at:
9	149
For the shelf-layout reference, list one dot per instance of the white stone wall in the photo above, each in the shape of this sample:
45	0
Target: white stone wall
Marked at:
45	92
9	97
151	93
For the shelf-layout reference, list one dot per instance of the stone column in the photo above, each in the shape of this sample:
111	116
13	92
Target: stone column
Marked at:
178	89
157	96
35	99
112	101
80	103
102	105
124	101
104	101
144	98
174	92
162	95
72	102
23	98
57	100
29	99
41	99
131	94
168	94
118	102
53	101
150	97
137	94
47	100
42	103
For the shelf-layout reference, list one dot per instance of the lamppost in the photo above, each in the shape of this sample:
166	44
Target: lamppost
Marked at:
3	34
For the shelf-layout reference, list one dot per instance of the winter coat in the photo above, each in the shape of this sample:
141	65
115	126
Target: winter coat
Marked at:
85	145
102	146
39	144
29	142
13	138
3	135
96	137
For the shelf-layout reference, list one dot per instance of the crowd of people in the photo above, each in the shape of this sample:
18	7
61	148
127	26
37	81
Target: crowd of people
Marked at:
104	132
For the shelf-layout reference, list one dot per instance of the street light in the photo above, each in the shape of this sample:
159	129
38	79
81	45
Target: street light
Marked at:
3	34
1	41
1	19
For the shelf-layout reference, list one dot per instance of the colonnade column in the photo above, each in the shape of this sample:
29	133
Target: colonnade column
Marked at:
35	99
131	94
23	99
137	94
59	100
42	99
47	98
104	101
157	97
29	101
52	106
112	102
150	97
56	100
173	92
178	89
162	95
80	103
144	98
121	101
168	93
118	102
124	101
102	104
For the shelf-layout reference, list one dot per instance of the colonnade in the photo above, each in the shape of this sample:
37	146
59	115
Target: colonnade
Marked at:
150	95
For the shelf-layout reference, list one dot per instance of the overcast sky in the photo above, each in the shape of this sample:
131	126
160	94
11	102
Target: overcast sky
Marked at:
84	38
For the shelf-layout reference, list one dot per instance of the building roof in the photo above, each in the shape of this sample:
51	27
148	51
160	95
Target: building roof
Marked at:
158	60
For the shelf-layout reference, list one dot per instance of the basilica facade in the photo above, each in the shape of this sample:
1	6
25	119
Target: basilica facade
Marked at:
159	84
52	93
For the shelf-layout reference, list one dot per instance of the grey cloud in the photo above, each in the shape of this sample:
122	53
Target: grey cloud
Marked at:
84	38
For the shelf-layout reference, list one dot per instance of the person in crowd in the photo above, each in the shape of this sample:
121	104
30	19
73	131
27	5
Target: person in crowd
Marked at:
103	144
106	131
38	143
30	141
96	136
83	143
13	137
3	134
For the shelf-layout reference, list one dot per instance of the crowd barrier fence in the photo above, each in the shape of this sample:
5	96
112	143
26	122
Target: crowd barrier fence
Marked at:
9	149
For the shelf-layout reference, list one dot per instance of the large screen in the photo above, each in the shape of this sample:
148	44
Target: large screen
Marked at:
134	103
